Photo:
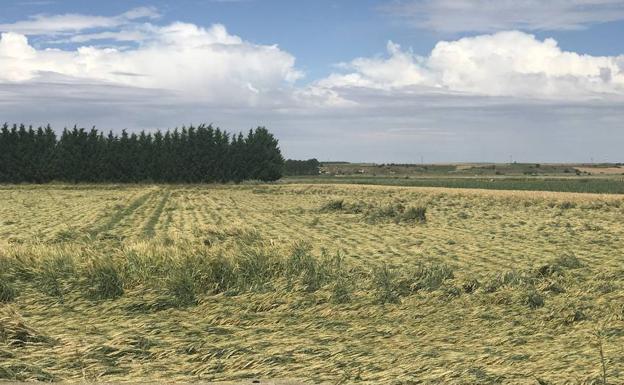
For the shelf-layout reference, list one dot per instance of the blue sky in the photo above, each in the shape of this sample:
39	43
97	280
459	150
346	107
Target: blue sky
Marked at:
360	80
319	33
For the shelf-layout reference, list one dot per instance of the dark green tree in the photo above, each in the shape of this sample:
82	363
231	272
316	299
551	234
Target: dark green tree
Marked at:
201	154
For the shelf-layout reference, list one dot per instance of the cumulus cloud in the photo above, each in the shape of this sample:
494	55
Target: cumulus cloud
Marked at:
209	64
495	15
509	63
471	99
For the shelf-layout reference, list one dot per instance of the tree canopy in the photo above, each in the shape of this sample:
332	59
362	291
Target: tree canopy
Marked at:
199	154
302	167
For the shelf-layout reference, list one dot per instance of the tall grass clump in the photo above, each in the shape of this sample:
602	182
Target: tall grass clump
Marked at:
255	269
56	275
389	285
532	299
340	277
333	205
19	265
7	291
508	278
558	266
313	273
103	279
394	212
386	285
566	205
397	213
219	274
301	266
568	261
390	212
341	290
414	214
471	285
181	286
429	277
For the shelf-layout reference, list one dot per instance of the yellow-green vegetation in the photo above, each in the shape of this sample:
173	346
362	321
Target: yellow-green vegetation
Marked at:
325	283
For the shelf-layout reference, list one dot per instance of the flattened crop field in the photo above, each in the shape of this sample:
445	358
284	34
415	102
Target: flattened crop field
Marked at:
323	283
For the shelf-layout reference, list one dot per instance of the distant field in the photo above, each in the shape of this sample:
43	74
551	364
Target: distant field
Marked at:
596	178
580	184
471	169
320	282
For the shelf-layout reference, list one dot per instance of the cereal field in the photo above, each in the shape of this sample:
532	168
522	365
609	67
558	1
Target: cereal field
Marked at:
321	283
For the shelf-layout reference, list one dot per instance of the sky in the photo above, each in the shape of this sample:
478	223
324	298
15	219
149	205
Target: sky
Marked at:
351	80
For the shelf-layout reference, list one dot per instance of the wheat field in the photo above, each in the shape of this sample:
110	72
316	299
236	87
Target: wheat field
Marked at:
320	283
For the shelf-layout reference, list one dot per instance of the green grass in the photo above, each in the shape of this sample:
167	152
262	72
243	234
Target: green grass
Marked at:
613	185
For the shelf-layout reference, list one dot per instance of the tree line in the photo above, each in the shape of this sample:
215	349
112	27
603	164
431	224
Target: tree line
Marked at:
188	155
302	167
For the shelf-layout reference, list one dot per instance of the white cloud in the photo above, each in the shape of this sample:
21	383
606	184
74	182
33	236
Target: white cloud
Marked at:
62	24
473	99
495	15
509	63
128	35
210	65
400	68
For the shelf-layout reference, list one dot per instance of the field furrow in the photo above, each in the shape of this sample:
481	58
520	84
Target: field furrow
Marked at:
121	213
149	230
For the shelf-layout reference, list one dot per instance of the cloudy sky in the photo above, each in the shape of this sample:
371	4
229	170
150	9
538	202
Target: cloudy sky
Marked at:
356	80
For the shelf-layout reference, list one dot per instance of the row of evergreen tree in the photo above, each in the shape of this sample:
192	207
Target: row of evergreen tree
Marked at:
188	155
302	167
